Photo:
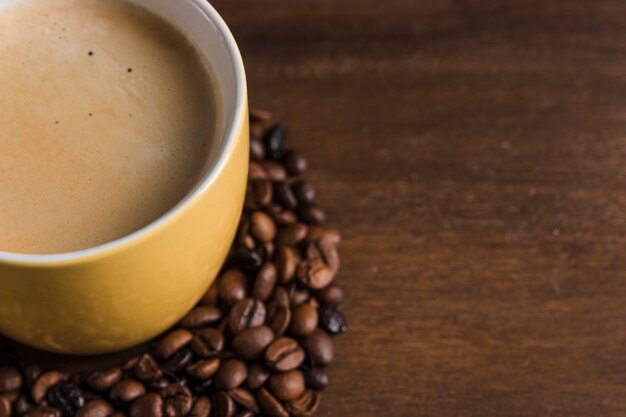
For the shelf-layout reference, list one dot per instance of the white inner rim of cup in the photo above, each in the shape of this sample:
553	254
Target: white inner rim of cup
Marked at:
201	23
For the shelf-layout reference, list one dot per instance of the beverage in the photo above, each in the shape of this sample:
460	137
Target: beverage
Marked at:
108	116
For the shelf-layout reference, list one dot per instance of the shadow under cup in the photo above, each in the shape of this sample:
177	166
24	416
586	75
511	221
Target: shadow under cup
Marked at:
125	292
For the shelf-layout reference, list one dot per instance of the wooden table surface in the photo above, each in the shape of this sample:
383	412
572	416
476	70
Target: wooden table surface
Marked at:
474	155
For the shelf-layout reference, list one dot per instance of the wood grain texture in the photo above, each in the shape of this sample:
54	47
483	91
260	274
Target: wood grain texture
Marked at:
474	155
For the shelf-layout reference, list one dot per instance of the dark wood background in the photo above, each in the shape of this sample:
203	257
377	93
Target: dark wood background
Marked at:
474	155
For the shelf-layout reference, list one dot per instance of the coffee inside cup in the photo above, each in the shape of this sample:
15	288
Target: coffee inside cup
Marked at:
108	117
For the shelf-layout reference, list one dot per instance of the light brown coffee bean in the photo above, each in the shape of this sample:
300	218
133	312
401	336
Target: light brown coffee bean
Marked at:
257	149
315	274
284	354
203	369
245	399
281	215
43	411
231	374
146	368
201	408
304	320
262	191
279	320
148	405
10	379
264	282
292	234
328	252
287	386
262	226
269	405
95	408
127	390
223	405
177	400
232	286
255	172
275	171
258	374
299	295
331	234
245	314
172	343
103	381
44	383
286	263
207	343
319	347
5	407
201	316
251	343
305	405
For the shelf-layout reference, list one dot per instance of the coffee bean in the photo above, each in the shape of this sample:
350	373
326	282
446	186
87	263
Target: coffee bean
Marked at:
255	172
43	411
319	347
278	312
207	343
172	343
269	405
328	253
232	286
316	379
204	387
258	374
274	170
146	369
95	408
264	282
44	383
21	405
275	140
245	413
210	298
5	407
246	260
257	149
305	405
65	396
262	191
267	250
284	354
223	405
31	374
262	226
127	390
311	214
103	381
204	369
148	405
284	196
287	386
292	234
179	361
299	295
245	314
332	319
315	274
304	193
281	215
331	294
251	343
201	316
10	379
118	414
231	374
295	163
286	263
259	115
177	400
157	384
330	234
245	399
201	408
304	320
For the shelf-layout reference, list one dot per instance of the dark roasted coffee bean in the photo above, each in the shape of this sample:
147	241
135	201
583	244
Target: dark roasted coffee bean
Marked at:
201	407
304	193
262	192
332	319
287	386
304	320
231	374
284	354
247	260
95	408
245	314
177	400
316	379
207	343
172	343
286	263
264	282
127	390
319	347
295	163
269	405
331	294
232	286
179	361
292	234
5	407
148	405
275	142
103	381
10	379
284	196
262	227
146	368
44	383
223	405
210	298
205	387
157	384
251	343
43	411
201	316
203	369
258	374
267	250
315	274
245	399
65	396
245	413
311	214
22	405
255	172
257	149
274	170
305	405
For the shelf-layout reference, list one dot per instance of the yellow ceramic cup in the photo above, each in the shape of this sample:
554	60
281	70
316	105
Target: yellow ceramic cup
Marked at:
125	292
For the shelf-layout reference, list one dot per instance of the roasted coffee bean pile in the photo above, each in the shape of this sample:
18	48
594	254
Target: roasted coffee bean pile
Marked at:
259	341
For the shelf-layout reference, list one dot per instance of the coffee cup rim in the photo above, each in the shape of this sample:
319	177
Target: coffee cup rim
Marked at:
230	134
